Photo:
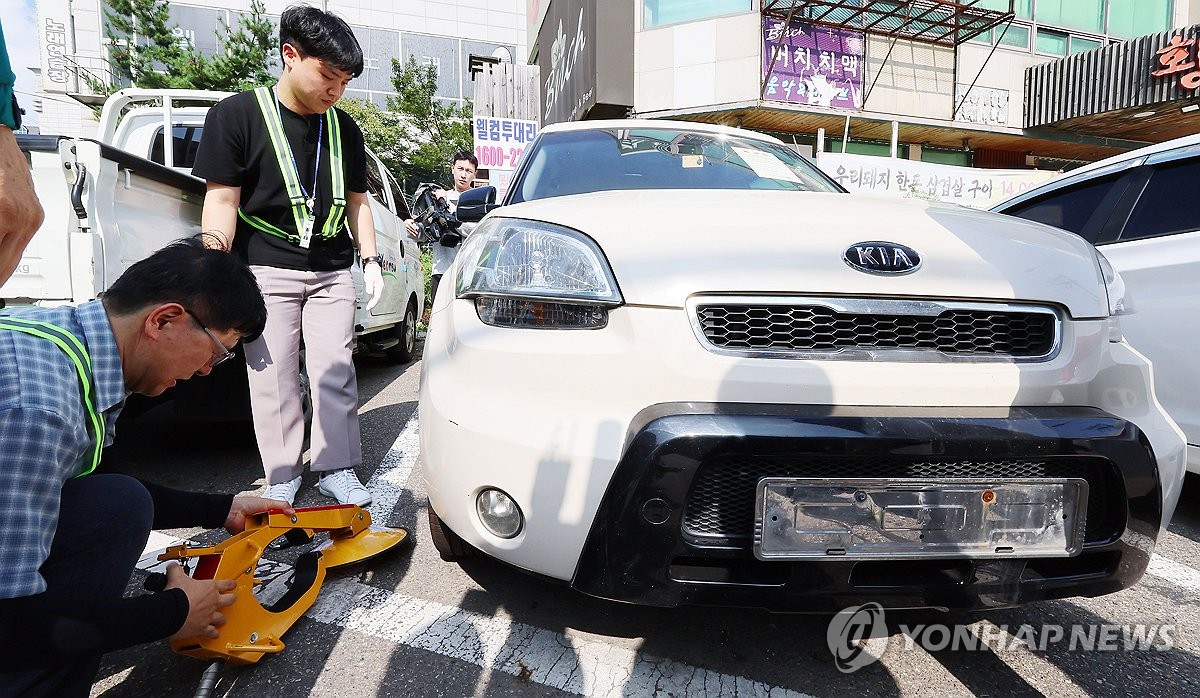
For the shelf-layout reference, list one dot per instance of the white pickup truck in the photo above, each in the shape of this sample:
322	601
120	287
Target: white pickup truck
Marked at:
112	200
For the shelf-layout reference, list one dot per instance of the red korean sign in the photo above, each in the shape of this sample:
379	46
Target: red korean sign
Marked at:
1178	57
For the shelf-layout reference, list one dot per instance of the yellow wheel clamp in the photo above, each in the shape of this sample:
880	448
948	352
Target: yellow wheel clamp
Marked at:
251	629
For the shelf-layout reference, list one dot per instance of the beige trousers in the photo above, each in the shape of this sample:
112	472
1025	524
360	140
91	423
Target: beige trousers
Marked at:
318	308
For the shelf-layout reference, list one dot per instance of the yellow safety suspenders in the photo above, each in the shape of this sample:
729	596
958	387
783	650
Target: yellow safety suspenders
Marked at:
300	203
73	348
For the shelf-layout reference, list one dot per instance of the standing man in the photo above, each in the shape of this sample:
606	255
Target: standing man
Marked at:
286	173
71	534
20	212
463	167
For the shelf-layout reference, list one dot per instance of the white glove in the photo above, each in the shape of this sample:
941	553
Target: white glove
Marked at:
373	283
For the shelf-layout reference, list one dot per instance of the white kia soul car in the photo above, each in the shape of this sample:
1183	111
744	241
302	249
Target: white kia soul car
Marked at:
1136	207
679	365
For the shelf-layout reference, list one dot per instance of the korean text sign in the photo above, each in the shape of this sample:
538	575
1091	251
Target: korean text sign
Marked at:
499	142
970	186
813	65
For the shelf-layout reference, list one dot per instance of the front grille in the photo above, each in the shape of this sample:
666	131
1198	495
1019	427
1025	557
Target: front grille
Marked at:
721	503
805	327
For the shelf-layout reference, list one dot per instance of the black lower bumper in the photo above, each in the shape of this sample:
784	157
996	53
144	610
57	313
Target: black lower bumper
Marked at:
675	526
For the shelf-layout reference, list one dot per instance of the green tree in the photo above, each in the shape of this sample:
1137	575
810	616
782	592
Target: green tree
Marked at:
383	132
432	129
146	52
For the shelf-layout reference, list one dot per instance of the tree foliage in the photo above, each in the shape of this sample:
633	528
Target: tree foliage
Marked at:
432	129
146	52
383	132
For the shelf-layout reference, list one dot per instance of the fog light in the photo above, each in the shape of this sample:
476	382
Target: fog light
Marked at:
499	513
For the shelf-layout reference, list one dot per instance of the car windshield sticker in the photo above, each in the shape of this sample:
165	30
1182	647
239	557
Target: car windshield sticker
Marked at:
693	160
641	144
766	165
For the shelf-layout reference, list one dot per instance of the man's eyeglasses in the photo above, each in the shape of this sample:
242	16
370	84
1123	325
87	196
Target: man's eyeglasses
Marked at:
224	354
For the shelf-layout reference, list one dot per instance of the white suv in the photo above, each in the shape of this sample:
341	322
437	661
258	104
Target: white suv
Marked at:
1137	209
680	365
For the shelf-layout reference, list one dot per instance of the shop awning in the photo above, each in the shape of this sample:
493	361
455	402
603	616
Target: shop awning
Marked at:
927	21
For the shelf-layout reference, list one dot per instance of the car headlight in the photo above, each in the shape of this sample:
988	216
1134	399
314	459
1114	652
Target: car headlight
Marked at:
1120	302
525	273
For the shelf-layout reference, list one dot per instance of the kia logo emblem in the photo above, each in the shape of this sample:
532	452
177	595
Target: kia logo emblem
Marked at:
879	257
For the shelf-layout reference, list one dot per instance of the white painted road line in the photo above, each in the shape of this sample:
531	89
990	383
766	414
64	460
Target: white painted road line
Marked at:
390	478
549	658
1177	573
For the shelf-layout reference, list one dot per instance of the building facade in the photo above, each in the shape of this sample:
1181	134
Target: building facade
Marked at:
941	82
445	33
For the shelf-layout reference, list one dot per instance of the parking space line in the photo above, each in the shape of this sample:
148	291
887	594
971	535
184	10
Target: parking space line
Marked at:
1175	572
391	477
549	658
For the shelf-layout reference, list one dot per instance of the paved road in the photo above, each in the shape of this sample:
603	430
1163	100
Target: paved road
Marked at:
412	625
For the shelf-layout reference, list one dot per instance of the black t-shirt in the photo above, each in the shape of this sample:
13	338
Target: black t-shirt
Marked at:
236	151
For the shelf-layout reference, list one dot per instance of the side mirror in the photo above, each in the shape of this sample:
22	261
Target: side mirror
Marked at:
474	204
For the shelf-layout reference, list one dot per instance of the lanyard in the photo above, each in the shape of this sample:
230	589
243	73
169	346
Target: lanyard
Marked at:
310	199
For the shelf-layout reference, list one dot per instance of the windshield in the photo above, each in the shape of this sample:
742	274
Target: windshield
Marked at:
577	162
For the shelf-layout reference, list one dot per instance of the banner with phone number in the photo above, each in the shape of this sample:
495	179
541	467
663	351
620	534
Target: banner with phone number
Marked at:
500	142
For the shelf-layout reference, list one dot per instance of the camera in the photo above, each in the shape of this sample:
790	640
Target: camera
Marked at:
435	221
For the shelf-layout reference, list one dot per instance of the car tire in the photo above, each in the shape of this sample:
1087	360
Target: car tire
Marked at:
447	542
406	333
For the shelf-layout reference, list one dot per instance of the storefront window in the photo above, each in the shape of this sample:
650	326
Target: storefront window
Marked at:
984	38
1085	15
834	145
1079	44
660	12
1017	36
947	157
1023	9
1051	43
1129	19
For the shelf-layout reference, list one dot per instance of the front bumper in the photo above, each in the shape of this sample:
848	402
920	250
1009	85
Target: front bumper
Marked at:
675	525
549	416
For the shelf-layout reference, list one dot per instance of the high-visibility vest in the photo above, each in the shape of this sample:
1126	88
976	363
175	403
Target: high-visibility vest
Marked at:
268	106
73	348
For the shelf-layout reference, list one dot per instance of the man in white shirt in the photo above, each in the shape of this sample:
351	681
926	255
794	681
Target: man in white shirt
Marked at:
462	168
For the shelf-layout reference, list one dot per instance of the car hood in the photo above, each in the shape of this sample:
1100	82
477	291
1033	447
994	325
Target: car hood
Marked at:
667	245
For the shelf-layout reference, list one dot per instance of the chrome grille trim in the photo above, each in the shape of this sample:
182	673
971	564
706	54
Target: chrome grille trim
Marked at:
901	309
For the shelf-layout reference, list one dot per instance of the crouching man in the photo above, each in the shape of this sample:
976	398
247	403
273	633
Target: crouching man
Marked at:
70	534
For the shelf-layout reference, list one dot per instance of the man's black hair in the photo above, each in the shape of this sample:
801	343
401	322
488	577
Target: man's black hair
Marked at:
465	155
321	35
217	286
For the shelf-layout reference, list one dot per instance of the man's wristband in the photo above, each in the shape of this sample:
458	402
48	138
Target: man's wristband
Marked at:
373	258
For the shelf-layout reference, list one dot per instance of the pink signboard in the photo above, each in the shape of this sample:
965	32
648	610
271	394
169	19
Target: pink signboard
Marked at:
814	65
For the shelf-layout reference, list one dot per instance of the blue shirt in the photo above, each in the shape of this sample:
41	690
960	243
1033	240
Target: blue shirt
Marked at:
45	437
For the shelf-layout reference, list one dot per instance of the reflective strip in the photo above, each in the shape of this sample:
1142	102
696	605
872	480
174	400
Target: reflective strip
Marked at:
337	176
260	224
279	143
73	348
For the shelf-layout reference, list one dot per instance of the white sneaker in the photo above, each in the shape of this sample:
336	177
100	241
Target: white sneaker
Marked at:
344	486
284	490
